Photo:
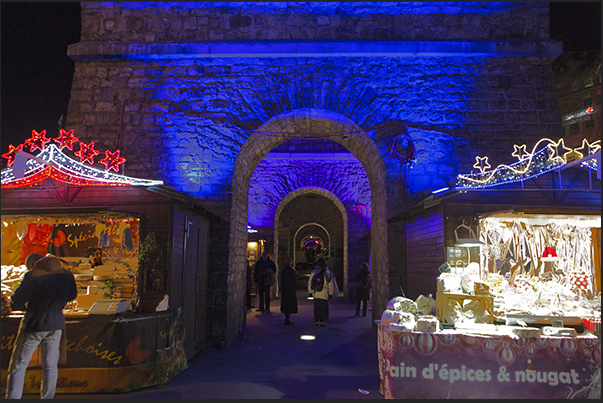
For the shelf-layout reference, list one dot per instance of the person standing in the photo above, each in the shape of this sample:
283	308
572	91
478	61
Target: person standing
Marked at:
261	277
362	291
248	284
43	293
288	286
95	256
322	294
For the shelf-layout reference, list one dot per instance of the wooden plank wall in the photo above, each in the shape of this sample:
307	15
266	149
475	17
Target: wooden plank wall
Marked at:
425	252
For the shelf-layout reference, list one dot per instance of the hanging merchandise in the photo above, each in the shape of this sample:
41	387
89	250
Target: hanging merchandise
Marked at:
126	239
36	240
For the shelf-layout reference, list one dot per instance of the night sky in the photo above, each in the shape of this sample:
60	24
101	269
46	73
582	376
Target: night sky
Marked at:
36	72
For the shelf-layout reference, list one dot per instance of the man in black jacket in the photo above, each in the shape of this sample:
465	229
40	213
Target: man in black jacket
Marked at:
259	275
42	294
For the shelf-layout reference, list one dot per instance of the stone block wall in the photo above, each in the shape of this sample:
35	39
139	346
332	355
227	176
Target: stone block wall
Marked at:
182	88
228	21
455	109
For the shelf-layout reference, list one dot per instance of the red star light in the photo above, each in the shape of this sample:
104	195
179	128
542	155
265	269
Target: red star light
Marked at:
87	152
37	140
66	139
12	153
112	160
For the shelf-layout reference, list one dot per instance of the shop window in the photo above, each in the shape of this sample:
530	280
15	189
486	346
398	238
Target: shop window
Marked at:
574	128
589	82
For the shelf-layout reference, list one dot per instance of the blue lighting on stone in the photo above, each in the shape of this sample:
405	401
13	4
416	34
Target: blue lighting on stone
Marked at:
203	98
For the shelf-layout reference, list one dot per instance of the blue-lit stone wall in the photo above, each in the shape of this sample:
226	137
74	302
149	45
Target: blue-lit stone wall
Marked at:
191	117
282	173
180	88
224	21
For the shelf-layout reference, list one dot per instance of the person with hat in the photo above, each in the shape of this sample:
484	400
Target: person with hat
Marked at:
43	293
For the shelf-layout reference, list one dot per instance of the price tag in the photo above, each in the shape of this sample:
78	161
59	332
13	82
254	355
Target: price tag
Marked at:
557	323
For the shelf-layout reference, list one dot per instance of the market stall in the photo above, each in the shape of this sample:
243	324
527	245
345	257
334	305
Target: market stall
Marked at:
521	319
503	285
139	315
111	345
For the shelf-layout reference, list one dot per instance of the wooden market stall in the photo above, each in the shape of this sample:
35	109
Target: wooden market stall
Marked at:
512	272
142	313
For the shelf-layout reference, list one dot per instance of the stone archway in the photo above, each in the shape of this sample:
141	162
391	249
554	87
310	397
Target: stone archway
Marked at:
318	123
335	200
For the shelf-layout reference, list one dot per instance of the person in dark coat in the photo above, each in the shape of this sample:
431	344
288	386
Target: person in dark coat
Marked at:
363	287
288	286
259	276
248	285
43	293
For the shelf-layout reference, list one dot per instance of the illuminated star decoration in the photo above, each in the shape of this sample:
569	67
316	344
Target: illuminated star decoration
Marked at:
557	151
481	164
87	152
37	140
588	149
520	152
66	139
12	153
112	160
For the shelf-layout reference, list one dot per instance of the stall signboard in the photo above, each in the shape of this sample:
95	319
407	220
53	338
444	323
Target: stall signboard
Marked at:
108	353
72	240
454	365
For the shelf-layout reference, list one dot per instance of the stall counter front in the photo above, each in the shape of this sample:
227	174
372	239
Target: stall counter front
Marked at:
456	365
108	353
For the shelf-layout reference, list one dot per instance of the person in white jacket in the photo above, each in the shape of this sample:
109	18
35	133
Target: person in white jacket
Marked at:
322	296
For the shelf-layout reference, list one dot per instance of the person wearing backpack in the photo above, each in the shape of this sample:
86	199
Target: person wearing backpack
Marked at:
263	275
362	290
320	287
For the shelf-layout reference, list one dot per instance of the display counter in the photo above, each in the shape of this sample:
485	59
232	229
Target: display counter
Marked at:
453	364
108	353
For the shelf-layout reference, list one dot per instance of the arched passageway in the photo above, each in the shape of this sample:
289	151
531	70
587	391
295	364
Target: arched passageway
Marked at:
319	124
315	208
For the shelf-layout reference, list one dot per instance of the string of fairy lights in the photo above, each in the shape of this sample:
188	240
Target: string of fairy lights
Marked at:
547	155
51	162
